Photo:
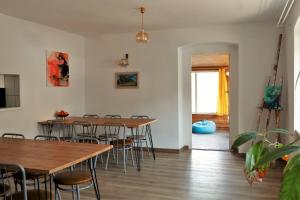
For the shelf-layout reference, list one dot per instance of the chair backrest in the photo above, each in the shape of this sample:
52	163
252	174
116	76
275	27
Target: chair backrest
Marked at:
115	130
91	115
46	137
87	140
143	131
14	168
82	129
113	116
13	136
139	117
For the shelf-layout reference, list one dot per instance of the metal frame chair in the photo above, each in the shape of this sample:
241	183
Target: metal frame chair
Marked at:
94	127
36	176
49	127
72	178
86	129
47	137
13	136
14	168
142	134
121	143
107	137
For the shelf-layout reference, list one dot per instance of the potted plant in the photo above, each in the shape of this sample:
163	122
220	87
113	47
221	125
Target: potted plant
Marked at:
263	152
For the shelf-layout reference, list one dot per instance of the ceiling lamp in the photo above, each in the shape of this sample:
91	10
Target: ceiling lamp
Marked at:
142	36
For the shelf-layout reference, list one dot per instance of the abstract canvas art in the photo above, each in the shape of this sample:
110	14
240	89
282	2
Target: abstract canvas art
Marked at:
126	80
57	69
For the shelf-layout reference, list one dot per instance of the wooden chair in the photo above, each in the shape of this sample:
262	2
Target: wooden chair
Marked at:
121	143
79	177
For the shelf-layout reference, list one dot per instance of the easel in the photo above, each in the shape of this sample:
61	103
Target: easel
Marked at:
265	109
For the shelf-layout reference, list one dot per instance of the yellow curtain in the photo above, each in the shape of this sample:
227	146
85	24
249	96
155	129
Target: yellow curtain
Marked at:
223	94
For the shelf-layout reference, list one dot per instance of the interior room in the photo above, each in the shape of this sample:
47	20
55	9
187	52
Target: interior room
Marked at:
195	99
210	101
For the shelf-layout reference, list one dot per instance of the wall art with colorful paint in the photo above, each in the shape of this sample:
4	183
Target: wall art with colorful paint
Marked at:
57	69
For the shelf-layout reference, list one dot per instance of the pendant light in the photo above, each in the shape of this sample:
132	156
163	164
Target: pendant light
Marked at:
142	36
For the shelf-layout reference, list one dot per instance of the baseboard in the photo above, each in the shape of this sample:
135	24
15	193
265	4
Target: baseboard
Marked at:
163	150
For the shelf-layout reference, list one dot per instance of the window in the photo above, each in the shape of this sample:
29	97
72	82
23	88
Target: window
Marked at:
205	91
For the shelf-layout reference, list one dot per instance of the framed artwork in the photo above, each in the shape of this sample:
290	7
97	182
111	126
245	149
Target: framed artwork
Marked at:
57	69
127	79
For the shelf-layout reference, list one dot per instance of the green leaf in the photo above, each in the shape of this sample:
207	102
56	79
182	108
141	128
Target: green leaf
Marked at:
279	130
253	155
243	138
290	189
295	161
276	153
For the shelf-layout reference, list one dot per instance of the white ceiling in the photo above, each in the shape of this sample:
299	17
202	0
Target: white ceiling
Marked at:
92	17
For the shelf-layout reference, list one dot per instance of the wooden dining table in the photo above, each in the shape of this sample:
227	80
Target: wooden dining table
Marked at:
49	157
133	124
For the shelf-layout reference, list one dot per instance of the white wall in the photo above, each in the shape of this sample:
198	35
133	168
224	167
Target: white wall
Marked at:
157	62
291	66
22	51
1	81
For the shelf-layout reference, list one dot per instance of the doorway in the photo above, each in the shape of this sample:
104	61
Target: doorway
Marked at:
184	87
210	101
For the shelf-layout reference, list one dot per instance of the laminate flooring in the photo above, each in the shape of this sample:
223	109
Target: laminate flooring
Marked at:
191	175
214	141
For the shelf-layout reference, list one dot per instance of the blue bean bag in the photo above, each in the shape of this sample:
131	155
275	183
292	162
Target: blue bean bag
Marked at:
204	127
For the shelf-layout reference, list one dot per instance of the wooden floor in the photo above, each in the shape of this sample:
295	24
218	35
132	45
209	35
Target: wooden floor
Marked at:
218	140
207	175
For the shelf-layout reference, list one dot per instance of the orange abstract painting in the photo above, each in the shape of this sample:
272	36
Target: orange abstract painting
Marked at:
57	69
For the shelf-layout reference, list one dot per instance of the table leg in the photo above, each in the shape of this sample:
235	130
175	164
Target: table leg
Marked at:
138	150
94	178
148	130
51	179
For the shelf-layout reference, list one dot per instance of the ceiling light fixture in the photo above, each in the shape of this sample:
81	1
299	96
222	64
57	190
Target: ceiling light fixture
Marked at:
142	36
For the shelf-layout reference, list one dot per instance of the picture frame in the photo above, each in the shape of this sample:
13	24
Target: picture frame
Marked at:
127	80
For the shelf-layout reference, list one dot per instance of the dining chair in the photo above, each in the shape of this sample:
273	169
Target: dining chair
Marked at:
24	194
59	126
47	137
93	127
121	143
142	138
79	177
4	187
13	136
34	177
82	129
107	137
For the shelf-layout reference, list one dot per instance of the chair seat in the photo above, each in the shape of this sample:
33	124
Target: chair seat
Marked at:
140	137
4	189
30	175
72	178
31	195
121	143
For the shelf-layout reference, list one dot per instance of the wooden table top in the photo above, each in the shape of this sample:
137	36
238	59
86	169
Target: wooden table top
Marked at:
47	156
130	123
